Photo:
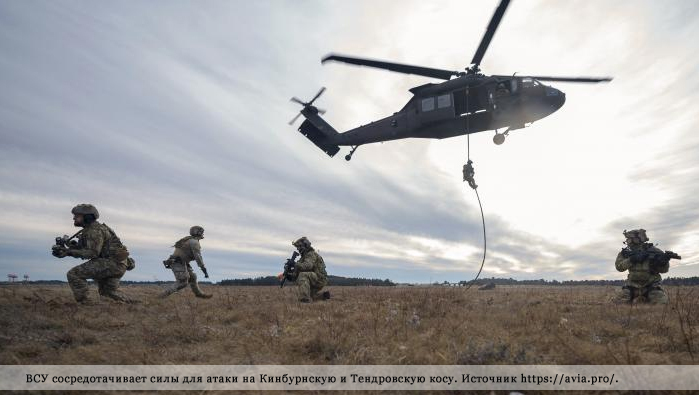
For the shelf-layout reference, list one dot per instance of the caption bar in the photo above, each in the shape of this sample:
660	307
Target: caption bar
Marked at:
348	377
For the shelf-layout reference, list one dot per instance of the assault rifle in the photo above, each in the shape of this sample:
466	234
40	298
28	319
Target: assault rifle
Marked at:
656	258
659	261
289	268
672	255
64	242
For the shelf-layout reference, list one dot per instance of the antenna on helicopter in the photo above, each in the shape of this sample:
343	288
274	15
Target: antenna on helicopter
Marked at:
308	105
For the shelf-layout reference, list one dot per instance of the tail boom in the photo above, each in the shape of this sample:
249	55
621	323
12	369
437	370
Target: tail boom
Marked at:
318	131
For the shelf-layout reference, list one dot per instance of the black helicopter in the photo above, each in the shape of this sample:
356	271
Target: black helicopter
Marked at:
467	102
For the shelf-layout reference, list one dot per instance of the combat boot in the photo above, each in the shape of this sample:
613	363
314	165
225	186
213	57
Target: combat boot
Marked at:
204	296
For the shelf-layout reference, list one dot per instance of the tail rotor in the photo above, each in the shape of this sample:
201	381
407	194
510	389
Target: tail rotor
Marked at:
307	105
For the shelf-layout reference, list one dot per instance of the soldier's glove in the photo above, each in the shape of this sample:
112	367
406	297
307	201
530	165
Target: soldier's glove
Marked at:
59	251
130	263
206	274
662	259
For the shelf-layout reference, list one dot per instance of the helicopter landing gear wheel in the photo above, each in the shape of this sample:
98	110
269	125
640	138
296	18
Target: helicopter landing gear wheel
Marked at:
348	157
499	138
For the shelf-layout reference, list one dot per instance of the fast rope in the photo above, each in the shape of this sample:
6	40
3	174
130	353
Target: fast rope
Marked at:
468	176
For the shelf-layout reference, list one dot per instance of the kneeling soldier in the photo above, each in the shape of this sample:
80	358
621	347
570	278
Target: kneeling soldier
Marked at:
310	272
108	258
644	262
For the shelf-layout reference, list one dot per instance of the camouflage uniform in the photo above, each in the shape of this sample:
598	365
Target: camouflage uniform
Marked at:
310	271
108	260
644	262
469	173
187	249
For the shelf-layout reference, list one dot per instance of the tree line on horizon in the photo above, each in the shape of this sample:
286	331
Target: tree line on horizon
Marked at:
332	280
356	281
510	281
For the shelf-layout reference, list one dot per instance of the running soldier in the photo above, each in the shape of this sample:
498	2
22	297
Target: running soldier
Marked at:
187	249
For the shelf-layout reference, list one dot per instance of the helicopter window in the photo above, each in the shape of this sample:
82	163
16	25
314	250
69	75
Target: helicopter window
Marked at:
529	82
443	101
502	90
428	104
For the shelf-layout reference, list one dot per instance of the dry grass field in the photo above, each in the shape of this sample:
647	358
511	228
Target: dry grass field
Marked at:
360	325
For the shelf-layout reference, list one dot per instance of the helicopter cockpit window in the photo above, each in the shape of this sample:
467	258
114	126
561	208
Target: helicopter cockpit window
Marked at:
529	83
428	104
444	101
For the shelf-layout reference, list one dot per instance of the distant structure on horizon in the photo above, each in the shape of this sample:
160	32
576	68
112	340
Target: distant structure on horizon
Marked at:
11	277
26	278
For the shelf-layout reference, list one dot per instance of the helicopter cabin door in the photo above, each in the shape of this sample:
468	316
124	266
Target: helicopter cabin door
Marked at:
501	97
435	108
467	101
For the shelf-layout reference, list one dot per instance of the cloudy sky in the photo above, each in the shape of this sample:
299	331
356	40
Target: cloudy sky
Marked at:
170	114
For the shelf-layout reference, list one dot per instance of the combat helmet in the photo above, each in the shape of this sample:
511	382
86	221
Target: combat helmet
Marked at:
639	234
302	242
84	209
196	231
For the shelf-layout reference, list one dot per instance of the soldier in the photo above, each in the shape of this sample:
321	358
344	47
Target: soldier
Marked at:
644	262
187	249
469	173
310	272
108	258
502	90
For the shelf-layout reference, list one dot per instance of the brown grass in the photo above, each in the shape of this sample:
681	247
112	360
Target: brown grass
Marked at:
360	325
413	325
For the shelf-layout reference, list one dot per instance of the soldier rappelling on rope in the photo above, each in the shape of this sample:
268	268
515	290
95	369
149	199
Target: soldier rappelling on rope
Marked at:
469	173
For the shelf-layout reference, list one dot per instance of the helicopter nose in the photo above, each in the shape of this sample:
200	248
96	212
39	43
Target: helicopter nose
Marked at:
562	99
555	98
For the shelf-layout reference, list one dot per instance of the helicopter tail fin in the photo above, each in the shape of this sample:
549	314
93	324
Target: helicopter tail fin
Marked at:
319	132
314	127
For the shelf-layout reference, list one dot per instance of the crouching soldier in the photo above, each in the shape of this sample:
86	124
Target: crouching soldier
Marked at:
310	275
108	259
644	262
187	249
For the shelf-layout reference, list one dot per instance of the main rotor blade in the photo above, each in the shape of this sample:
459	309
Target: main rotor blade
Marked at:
489	32
297	100
569	79
397	67
320	92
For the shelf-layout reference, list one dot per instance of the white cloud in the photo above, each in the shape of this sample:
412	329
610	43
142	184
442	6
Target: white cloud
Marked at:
167	116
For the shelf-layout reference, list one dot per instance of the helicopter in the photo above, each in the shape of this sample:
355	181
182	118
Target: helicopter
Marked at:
465	102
